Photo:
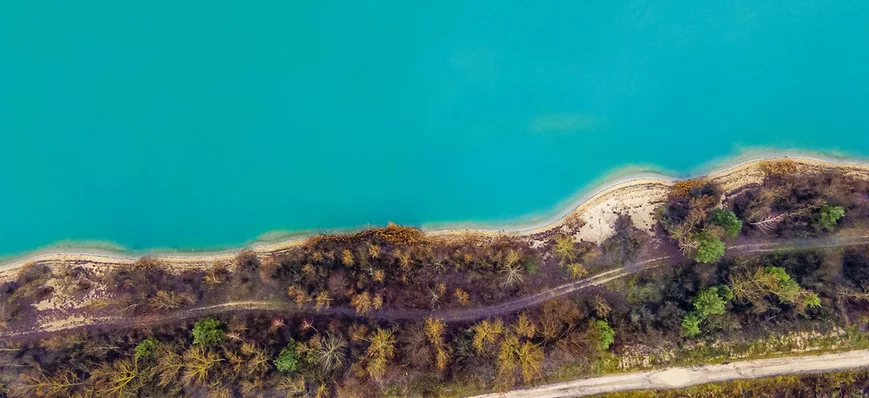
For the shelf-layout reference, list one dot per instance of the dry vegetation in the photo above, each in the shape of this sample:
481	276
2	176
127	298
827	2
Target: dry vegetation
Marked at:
702	298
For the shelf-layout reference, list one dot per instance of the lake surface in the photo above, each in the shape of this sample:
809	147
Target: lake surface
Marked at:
204	124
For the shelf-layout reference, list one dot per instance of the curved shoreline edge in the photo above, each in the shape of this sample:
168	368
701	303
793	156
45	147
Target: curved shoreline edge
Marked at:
586	198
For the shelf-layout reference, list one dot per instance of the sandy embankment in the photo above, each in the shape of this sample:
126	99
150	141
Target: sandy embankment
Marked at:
635	196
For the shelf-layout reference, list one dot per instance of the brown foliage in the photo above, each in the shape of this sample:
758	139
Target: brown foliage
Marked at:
380	352
216	275
778	167
347	258
166	300
35	382
683	189
462	296
557	318
434	331
393	234
120	378
486	334
362	302
246	260
198	365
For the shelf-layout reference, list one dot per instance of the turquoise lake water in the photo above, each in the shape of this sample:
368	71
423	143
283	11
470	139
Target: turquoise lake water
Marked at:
204	124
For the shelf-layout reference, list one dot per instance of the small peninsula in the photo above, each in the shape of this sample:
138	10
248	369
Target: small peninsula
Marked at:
766	259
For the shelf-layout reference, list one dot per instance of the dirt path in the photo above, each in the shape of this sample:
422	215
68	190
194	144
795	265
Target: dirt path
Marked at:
689	376
449	315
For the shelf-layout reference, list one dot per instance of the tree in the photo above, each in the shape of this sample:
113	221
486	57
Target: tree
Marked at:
462	296
830	216
146	349
781	284
198	363
524	327
404	258
577	270
709	247
691	325
298	294
727	221
248	364
812	300
207	332
708	302
507	362
347	257
771	281
329	353
374	250
601	307
564	248
168	366
165	301
120	378
377	301
288	360
486	333
380	351
605	334
530	358
434	331
512	258
216	275
514	274
322	300
362	302
37	383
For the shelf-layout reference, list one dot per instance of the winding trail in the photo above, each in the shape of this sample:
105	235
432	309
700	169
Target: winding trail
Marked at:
448	315
688	376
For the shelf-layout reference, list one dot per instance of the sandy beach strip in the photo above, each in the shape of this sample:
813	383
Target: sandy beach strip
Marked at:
633	195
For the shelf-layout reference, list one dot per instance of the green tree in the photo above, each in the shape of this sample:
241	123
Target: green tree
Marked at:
288	360
605	334
146	349
691	324
830	215
725	292
785	287
727	221
710	248
758	286
812	300
207	333
708	302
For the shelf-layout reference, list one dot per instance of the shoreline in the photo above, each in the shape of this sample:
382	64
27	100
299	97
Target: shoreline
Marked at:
595	193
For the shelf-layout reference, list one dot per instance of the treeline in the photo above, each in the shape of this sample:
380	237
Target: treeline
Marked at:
376	270
301	356
284	355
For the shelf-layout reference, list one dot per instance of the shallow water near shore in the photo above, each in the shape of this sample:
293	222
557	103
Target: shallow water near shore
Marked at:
207	124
